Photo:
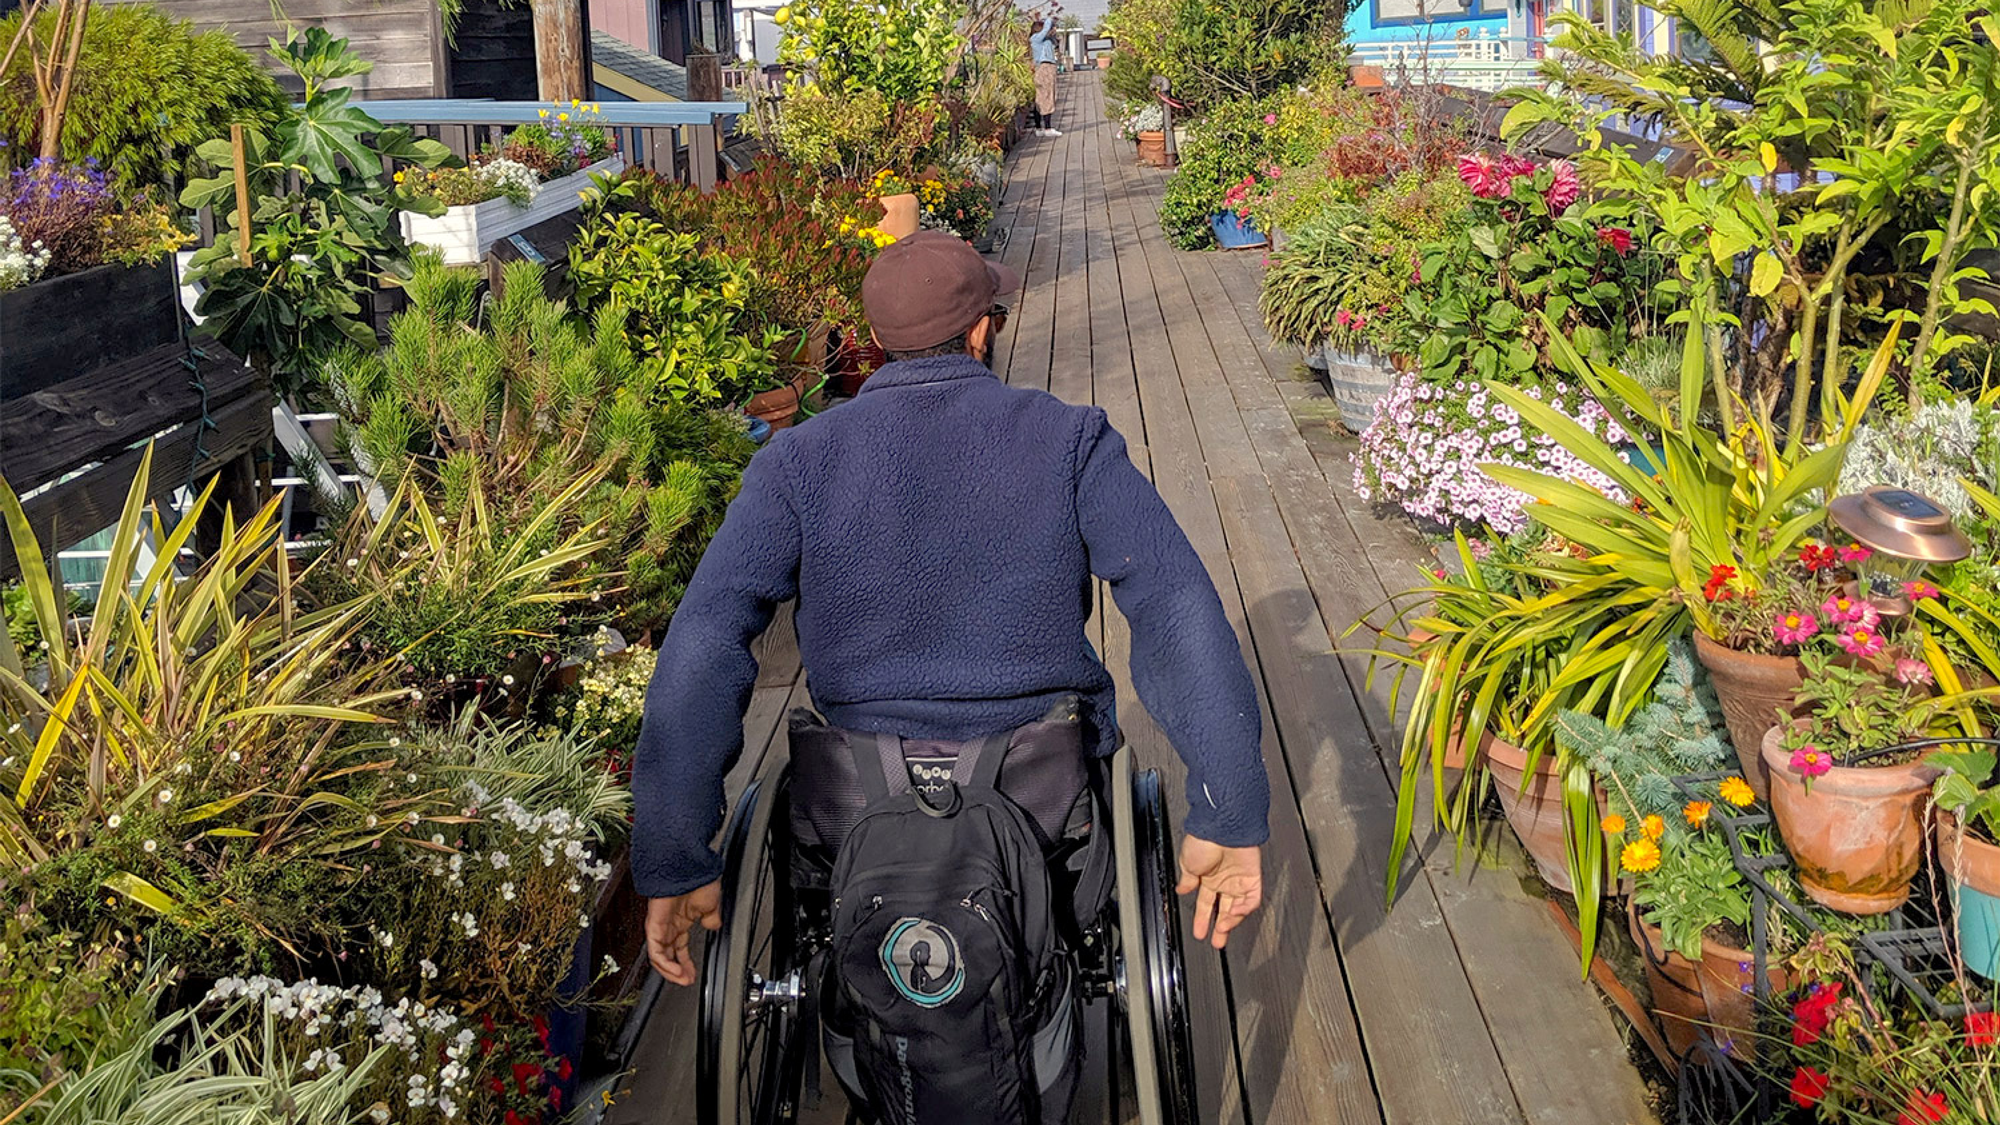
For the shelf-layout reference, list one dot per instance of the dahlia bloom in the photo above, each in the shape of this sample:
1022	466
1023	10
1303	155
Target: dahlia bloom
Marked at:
1565	188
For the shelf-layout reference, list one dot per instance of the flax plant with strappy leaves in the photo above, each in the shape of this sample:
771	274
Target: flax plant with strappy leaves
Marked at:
1586	628
197	748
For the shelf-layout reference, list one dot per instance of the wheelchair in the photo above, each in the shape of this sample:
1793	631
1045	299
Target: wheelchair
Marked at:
759	1035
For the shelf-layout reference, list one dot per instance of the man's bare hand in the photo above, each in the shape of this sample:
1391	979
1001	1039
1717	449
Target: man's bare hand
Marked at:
1229	882
669	921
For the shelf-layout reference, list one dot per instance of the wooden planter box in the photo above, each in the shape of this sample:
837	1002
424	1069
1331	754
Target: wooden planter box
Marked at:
465	233
58	329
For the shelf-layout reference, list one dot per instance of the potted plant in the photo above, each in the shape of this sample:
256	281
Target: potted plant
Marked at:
1146	128
85	277
1847	785
1968	849
1232	225
539	172
1690	917
901	216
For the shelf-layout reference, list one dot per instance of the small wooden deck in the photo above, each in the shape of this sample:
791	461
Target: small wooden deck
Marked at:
1463	1003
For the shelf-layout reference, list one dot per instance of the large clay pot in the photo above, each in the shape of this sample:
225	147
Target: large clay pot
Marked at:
1534	811
1753	689
899	215
776	407
1715	996
1973	866
1858	835
1153	148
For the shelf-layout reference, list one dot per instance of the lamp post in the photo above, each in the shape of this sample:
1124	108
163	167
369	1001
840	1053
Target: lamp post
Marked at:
1905	533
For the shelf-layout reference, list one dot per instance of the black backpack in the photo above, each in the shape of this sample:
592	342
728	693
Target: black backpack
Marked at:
952	992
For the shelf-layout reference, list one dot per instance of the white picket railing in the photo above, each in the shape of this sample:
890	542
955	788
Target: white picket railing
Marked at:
1478	62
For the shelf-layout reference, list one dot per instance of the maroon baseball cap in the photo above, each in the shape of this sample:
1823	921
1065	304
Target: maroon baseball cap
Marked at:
927	288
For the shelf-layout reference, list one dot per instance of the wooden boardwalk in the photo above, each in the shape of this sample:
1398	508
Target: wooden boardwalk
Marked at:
1463	1003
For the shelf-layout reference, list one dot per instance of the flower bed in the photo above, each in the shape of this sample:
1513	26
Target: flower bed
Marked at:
465	232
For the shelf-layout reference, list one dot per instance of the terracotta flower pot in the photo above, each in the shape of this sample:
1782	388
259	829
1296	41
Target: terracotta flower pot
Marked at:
854	361
1715	996
1858	835
776	406
1153	148
1535	811
1753	689
899	215
1973	866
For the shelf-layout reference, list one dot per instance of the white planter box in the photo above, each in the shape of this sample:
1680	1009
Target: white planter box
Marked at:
465	233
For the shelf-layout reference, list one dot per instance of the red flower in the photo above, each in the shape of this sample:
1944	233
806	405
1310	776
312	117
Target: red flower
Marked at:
485	1046
486	1022
515	1118
564	1070
1811	1015
1564	187
523	1072
1718	577
1922	1109
1618	238
541	1027
1818	558
1855	553
1808	1087
1982	1029
499	1087
555	1096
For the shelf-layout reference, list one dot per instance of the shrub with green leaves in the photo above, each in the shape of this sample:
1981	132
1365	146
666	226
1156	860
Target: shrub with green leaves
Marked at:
522	397
1679	732
148	90
1231	143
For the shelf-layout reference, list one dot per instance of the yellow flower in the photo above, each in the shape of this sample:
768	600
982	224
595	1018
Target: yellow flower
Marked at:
1696	813
1612	824
562	117
596	107
1640	855
1737	792
572	103
1653	827
545	114
399	177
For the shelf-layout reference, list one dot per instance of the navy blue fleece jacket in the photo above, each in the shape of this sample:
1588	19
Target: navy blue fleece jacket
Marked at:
939	533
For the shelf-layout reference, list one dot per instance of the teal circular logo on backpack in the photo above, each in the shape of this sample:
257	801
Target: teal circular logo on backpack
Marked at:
922	960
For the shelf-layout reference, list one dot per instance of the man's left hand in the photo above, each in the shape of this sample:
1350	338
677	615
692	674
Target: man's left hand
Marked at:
670	920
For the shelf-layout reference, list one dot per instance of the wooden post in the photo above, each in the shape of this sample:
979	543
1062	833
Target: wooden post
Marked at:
704	78
705	154
562	50
240	153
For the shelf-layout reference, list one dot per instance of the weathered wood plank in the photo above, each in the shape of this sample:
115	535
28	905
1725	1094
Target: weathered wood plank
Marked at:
72	423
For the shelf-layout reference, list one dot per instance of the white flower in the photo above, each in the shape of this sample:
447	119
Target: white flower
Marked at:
165	795
150	846
499	860
113	821
426	969
610	965
235	755
386	940
507	892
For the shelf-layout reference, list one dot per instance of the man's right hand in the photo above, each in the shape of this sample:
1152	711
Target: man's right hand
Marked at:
1229	882
668	923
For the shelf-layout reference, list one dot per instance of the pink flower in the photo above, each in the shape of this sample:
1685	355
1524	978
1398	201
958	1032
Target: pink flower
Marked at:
1811	761
1565	188
1618	238
1919	590
1841	610
1343	318
1487	179
1856	553
1860	640
1513	166
1270	119
1913	672
1794	627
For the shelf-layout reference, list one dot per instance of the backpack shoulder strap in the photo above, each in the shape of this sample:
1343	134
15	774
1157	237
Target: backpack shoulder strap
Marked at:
878	761
978	764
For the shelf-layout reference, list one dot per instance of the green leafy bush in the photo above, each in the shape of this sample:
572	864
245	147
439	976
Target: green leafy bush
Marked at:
148	90
524	401
684	311
315	249
902	49
1230	144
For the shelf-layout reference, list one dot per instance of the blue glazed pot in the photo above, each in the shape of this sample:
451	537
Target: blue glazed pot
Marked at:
1234	232
760	431
1972	866
1648	459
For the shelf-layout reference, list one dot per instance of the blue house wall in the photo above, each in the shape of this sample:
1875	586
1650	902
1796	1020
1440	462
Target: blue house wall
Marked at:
1367	24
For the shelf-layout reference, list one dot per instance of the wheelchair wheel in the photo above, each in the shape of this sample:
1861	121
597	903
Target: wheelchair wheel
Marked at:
1149	977
751	1053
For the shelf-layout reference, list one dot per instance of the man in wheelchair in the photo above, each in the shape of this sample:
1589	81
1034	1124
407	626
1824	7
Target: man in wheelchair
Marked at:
939	535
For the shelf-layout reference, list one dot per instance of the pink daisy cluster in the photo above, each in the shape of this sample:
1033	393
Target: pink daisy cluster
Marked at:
1492	177
1423	451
